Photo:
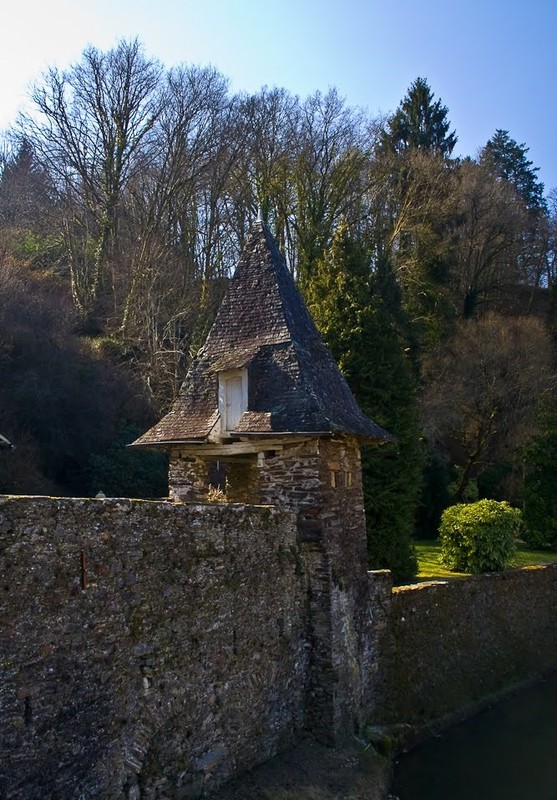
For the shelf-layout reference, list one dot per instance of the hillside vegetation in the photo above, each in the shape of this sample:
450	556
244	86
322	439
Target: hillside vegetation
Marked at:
125	199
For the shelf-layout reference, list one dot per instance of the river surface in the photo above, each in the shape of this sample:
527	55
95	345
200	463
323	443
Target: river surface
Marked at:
508	752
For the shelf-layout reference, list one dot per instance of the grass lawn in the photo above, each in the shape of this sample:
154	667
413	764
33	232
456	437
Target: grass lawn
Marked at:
430	566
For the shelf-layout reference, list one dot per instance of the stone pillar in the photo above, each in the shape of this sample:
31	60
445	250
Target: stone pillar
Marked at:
321	480
187	478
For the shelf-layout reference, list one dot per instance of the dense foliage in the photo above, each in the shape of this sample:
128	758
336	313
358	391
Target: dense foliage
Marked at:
479	537
118	471
61	402
125	198
363	337
540	482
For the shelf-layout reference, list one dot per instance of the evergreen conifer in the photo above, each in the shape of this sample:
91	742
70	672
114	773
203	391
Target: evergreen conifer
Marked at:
419	122
540	498
360	333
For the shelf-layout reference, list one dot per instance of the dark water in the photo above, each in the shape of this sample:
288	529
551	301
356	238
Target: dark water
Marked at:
508	752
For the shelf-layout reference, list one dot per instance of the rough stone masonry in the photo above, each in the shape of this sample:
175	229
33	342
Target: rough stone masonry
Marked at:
147	649
154	650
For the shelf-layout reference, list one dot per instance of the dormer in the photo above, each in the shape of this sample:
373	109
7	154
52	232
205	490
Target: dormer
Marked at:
233	398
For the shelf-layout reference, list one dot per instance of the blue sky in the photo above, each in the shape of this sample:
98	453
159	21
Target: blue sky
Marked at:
493	63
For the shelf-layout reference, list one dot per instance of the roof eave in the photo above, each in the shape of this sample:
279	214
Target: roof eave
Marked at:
164	443
275	434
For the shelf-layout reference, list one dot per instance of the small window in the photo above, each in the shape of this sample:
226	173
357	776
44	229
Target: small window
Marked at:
337	479
233	397
341	479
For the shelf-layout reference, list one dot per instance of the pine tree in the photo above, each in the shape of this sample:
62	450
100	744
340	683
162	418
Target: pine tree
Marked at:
413	160
419	123
361	334
26	192
504	158
506	161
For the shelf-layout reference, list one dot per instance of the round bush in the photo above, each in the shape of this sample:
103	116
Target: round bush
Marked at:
479	537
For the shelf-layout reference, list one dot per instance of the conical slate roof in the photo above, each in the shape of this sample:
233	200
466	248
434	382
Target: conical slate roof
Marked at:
294	384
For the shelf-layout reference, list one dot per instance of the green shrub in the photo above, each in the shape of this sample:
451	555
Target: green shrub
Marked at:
479	537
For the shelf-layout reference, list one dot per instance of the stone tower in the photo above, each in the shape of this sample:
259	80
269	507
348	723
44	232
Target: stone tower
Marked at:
265	411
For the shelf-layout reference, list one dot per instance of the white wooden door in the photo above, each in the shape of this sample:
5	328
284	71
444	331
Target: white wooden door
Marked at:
233	402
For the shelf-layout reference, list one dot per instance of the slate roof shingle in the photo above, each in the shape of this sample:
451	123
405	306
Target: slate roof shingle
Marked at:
294	383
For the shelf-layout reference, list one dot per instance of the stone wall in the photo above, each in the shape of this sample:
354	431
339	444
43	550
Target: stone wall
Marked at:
318	478
152	650
147	649
450	644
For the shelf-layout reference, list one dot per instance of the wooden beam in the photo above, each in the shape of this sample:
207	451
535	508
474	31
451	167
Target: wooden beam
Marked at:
238	448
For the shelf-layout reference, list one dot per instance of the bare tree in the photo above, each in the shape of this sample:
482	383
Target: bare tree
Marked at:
92	124
481	388
550	277
262	179
488	241
179	240
408	227
328	174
